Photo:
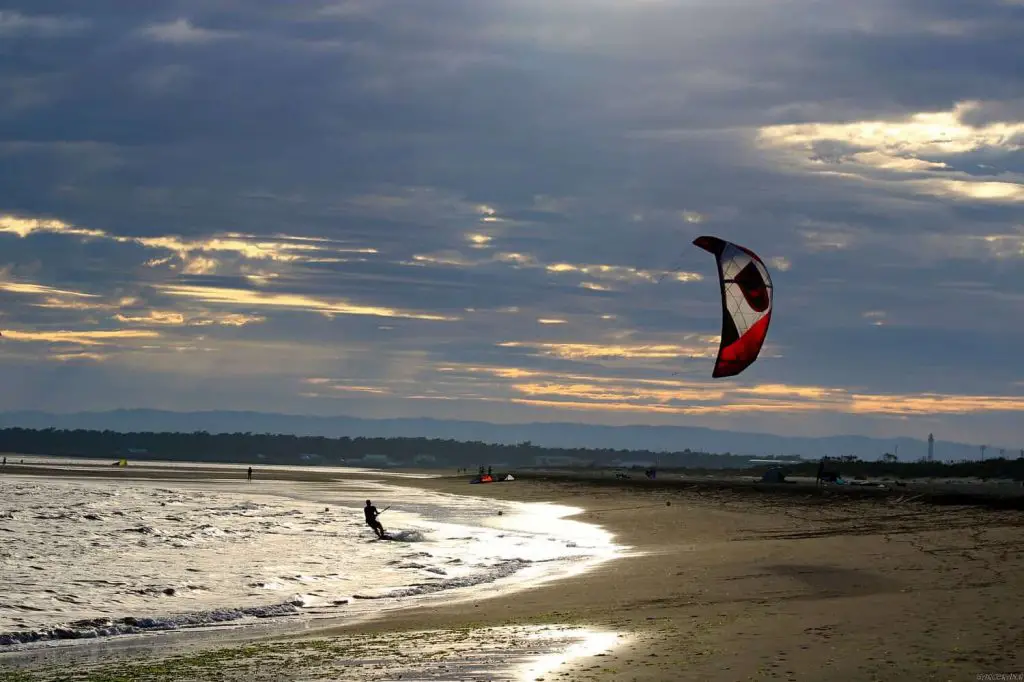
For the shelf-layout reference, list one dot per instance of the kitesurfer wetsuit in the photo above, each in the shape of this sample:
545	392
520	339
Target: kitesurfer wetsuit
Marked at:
371	514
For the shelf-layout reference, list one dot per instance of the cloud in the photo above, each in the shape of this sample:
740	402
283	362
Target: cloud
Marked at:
876	317
184	32
621	273
23	227
920	151
81	338
245	297
574	391
707	348
929	134
609	273
14	24
282	248
346	388
173	318
30	288
317	181
202	256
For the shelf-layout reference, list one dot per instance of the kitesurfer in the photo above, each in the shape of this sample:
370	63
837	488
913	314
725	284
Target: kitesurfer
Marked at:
371	514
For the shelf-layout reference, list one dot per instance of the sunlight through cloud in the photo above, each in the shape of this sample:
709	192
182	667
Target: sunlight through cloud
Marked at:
921	148
245	297
81	338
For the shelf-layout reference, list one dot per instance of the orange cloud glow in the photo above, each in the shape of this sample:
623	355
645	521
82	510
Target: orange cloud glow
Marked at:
245	297
707	346
174	318
82	338
574	391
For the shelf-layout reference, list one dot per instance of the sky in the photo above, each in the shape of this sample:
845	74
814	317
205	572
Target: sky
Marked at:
485	210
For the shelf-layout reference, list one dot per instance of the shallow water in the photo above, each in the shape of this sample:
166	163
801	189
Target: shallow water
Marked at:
99	557
72	463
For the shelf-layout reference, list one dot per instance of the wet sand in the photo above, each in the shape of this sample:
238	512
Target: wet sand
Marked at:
731	585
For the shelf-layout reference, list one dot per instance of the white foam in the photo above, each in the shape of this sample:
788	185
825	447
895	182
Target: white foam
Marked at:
99	557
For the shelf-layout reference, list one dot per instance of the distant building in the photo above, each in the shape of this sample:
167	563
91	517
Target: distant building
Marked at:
931	447
377	461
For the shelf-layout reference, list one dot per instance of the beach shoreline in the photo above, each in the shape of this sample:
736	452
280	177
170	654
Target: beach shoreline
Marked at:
163	642
733	585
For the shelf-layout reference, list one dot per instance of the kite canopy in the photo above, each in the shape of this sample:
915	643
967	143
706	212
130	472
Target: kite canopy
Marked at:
746	304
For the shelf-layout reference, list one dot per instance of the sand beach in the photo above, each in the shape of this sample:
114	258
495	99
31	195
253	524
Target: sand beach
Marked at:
715	584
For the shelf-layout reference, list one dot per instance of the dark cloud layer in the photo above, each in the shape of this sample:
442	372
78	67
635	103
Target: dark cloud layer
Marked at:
438	208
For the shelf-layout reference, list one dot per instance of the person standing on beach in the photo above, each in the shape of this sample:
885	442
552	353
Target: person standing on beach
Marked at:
371	514
249	475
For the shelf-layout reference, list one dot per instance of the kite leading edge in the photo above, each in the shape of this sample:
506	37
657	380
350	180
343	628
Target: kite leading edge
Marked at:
747	299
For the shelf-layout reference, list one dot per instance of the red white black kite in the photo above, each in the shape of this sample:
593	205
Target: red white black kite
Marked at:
746	304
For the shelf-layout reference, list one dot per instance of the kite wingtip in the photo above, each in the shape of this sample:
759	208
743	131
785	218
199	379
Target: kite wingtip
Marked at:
708	243
725	371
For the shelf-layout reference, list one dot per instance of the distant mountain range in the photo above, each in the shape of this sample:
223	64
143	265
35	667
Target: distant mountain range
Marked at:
555	435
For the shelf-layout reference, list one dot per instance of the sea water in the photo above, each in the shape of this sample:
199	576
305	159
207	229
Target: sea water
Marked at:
95	558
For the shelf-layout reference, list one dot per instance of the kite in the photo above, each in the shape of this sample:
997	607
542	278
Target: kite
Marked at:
746	304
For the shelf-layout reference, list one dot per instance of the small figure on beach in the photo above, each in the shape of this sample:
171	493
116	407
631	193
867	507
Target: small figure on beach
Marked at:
371	514
249	475
824	476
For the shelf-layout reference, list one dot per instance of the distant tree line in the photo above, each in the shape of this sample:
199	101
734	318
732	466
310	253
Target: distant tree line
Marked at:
270	448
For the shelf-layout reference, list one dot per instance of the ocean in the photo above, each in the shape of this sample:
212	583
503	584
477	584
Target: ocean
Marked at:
89	558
